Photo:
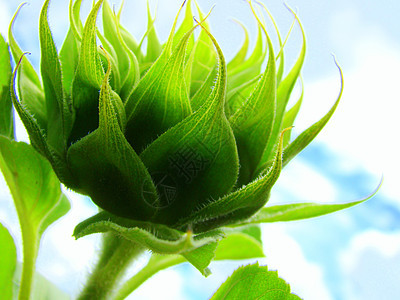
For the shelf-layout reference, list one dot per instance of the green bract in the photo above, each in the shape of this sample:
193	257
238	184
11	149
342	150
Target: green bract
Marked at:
165	140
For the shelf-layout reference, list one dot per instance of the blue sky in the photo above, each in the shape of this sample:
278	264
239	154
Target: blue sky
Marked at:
351	255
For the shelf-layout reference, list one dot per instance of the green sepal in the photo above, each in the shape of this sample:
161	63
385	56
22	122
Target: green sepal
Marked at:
75	19
115	79
69	57
238	205
305	138
291	114
128	66
154	47
207	139
36	134
59	114
254	282
6	112
155	237
69	53
301	211
29	86
186	26
160	99
131	43
205	91
202	58
283	95
240	56
87	81
108	169
252	123
245	72
298	211
38	139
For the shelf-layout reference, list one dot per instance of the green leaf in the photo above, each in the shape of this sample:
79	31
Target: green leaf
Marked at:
238	205
283	95
37	198
305	138
241	243
252	123
59	115
8	261
207	139
88	78
30	88
6	113
33	184
160	98
254	282
201	257
156	237
108	169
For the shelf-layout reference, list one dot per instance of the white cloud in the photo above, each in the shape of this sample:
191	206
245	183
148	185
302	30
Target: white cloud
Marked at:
284	254
371	266
364	126
307	184
4	18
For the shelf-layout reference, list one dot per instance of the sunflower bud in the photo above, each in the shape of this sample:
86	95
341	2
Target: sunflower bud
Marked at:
159	136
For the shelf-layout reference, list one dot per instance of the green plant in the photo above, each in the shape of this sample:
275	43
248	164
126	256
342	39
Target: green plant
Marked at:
179	149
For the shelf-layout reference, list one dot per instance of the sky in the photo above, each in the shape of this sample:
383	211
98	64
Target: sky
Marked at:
349	255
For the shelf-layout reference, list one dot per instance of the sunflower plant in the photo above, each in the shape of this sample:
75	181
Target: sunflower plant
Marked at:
178	148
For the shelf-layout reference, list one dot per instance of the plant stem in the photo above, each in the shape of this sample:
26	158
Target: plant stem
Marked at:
104	277
156	263
30	251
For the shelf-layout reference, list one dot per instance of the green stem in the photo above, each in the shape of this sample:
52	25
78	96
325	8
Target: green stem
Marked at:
156	263
104	277
30	251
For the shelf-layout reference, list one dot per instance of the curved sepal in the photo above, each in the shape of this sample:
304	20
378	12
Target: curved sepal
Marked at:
160	99
58	112
198	155
127	64
202	58
283	93
245	72
156	237
69	53
6	113
87	81
29	87
305	138
239	205
108	169
252	123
